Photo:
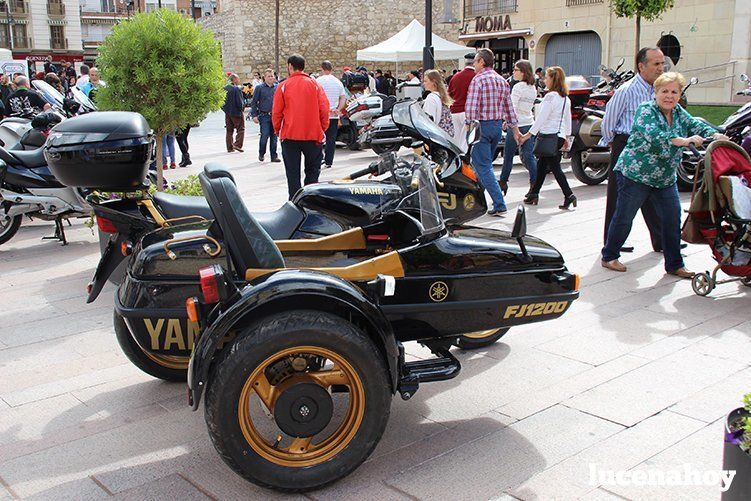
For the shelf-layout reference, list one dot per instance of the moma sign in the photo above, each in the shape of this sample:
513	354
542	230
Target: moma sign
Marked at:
492	23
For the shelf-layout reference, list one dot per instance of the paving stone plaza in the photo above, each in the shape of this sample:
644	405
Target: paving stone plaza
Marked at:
637	376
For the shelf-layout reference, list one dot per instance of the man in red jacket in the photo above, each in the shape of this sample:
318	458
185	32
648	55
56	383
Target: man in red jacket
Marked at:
300	116
458	90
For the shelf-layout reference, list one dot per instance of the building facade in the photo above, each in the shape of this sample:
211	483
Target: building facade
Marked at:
99	16
709	39
35	29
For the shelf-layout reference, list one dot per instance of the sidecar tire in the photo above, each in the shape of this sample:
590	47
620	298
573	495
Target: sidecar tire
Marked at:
168	369
467	342
262	345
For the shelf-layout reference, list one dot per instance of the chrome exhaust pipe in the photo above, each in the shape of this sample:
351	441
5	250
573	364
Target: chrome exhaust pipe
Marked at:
596	157
53	205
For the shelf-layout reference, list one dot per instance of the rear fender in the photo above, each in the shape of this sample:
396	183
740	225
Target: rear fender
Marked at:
286	290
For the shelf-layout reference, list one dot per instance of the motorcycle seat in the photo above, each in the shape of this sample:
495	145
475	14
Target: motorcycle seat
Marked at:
24	158
249	244
279	224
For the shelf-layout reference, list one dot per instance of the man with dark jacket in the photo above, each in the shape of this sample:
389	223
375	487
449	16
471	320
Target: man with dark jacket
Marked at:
233	115
24	102
260	110
300	116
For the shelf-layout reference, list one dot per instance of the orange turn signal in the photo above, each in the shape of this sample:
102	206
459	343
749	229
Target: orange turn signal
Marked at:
469	172
577	282
191	305
126	248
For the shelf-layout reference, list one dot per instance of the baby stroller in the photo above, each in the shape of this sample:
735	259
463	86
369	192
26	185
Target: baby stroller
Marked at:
720	215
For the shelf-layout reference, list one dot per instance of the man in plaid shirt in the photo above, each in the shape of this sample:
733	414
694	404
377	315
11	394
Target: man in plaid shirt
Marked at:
489	101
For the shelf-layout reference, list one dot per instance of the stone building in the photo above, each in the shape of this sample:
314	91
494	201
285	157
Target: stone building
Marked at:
709	39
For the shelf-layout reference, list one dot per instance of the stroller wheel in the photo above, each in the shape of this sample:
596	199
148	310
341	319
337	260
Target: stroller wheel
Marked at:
746	281
702	284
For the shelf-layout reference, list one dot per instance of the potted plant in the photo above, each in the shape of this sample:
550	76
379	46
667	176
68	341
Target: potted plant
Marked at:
737	451
165	67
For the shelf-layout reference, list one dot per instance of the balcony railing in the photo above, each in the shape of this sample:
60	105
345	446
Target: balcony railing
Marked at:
19	8
55	9
576	3
18	43
475	8
57	44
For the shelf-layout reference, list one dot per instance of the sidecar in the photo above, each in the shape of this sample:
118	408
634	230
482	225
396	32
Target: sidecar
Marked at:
298	362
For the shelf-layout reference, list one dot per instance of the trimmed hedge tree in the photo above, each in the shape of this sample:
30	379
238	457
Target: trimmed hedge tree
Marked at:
165	67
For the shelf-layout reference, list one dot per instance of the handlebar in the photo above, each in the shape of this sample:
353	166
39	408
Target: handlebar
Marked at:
693	149
370	169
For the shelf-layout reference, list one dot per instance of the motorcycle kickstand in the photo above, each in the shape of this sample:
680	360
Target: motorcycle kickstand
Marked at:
59	231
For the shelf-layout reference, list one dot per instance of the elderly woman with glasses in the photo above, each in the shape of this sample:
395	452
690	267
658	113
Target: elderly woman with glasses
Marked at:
646	170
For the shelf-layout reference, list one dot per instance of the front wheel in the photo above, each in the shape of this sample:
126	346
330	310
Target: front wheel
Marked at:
480	339
298	401
9	227
587	172
166	367
702	284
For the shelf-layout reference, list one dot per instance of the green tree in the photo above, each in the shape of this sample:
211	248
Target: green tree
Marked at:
650	10
165	67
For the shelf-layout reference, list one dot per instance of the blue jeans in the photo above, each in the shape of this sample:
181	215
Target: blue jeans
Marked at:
528	158
267	135
631	196
482	160
168	148
330	147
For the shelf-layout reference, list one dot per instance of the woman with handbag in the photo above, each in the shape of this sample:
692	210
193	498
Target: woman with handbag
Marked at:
551	128
437	102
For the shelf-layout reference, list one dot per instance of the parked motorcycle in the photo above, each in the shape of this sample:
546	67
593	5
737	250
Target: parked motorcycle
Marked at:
737	127
360	112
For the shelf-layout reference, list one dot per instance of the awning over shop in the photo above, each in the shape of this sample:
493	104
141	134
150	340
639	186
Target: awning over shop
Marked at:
407	45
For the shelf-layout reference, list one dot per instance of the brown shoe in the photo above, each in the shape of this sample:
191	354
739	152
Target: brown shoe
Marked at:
238	149
682	273
614	265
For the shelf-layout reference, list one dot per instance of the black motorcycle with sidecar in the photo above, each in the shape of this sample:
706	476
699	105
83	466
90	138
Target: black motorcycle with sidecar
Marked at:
116	145
299	358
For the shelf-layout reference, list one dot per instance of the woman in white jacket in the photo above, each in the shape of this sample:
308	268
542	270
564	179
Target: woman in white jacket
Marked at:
523	96
437	103
554	117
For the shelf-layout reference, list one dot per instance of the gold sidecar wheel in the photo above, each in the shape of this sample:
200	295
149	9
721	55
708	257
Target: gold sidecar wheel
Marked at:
298	401
480	339
169	368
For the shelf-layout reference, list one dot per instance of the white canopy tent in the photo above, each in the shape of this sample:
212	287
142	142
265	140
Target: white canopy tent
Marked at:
407	45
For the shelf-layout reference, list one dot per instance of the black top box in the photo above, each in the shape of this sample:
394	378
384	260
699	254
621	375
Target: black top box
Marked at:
106	150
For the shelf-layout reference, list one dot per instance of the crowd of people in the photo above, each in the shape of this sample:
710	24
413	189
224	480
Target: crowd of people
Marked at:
644	127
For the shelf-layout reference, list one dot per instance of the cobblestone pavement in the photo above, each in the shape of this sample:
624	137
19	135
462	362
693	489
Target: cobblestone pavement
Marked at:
637	375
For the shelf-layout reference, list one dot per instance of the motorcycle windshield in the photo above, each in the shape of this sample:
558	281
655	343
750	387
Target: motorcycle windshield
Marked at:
423	203
49	93
411	115
87	105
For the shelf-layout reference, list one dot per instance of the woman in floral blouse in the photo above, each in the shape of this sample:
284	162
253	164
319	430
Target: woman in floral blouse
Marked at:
646	170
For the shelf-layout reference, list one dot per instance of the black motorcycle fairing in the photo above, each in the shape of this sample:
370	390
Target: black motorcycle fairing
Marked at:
352	203
20	177
410	116
279	291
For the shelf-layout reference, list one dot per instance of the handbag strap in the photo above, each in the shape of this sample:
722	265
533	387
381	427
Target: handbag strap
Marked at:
563	108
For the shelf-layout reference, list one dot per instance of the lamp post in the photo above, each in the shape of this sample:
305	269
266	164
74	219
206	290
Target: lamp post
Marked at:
427	51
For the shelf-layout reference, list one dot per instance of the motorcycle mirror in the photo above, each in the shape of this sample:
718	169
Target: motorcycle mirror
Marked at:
473	132
620	63
693	81
520	223
744	77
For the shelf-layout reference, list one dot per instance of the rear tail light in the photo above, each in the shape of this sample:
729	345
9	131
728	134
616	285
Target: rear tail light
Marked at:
105	225
210	277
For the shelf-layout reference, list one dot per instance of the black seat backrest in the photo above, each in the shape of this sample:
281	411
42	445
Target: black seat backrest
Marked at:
249	244
215	170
